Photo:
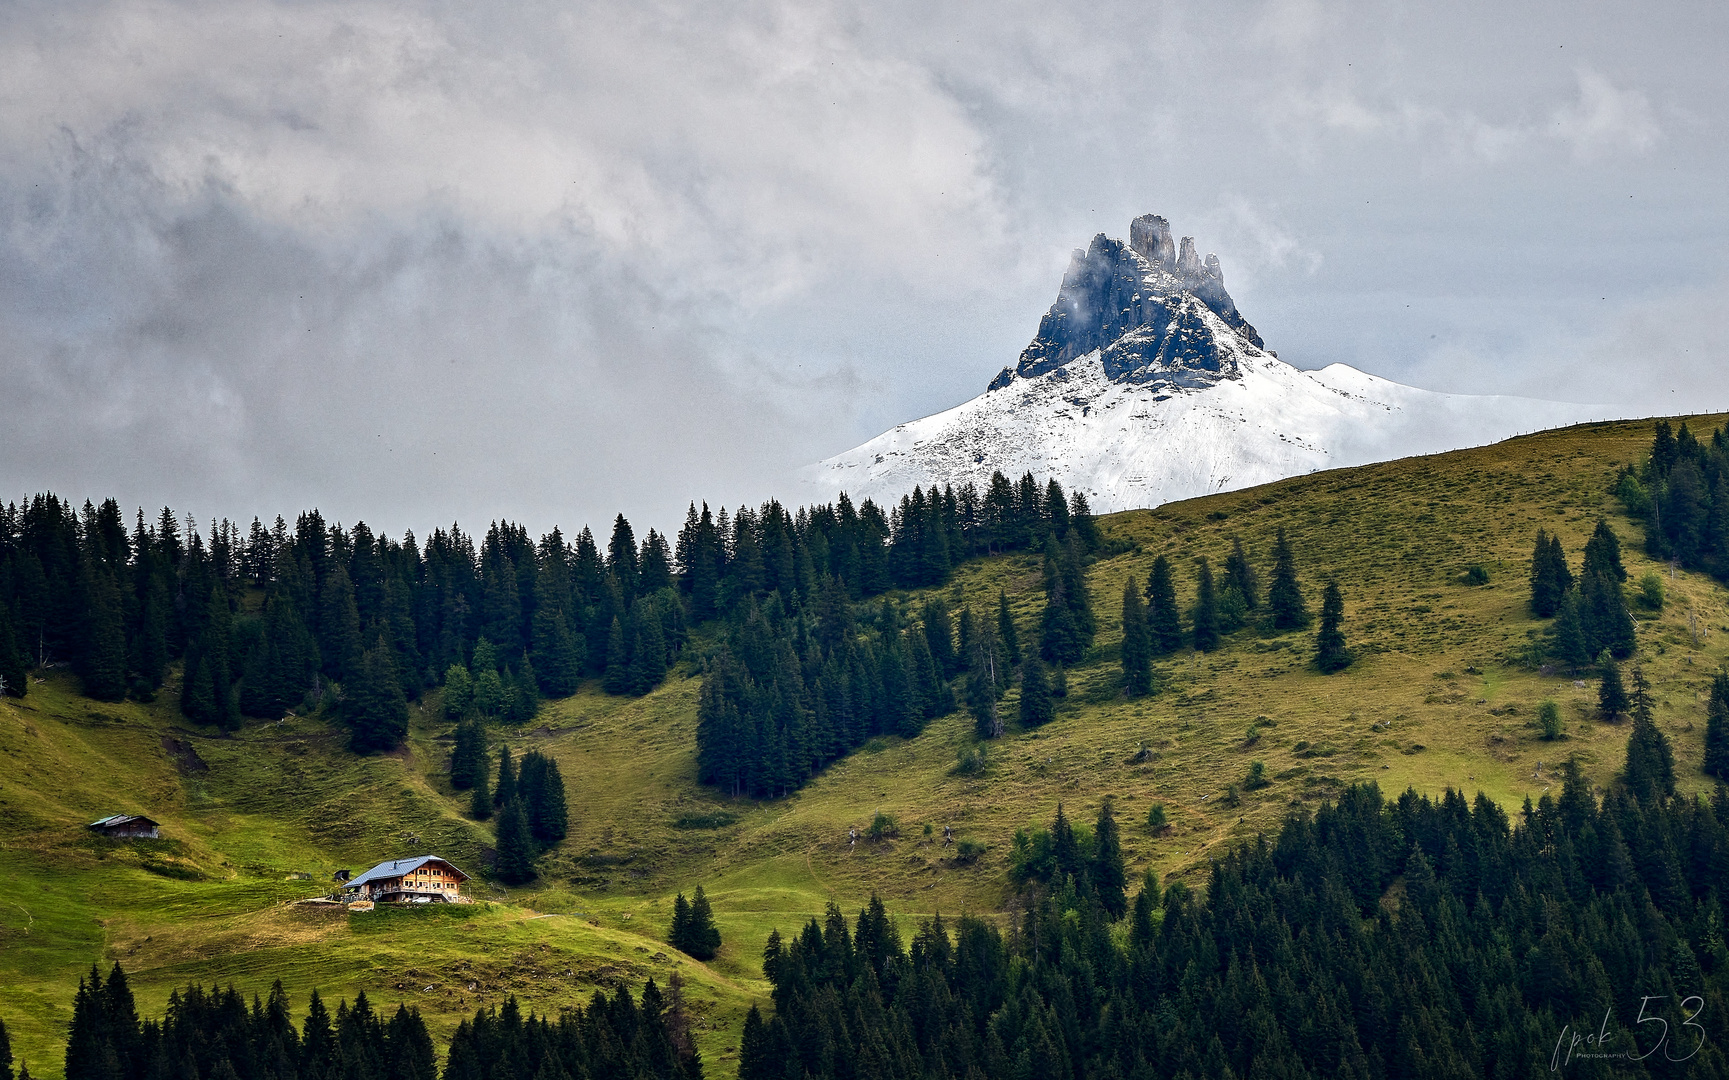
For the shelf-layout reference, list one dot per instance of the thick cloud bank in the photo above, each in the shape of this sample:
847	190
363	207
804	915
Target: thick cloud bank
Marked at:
422	261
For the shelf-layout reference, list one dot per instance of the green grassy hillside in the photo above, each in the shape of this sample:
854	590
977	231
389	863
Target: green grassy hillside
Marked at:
1435	699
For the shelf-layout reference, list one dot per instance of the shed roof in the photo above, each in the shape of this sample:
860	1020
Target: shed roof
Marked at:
398	867
120	819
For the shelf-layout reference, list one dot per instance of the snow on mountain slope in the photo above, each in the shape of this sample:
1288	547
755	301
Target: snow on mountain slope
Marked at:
1146	386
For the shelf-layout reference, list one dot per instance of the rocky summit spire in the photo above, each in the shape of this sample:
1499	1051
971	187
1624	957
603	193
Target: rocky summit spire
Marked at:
1150	235
1152	311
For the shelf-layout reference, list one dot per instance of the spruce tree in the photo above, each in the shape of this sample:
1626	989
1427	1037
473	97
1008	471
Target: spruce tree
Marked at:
986	678
489	696
1240	575
1603	552
1037	706
1567	640
198	694
1110	880
541	791
505	790
1082	522
5	1053
1065	628
939	634
102	657
468	758
558	653
1285	604
704	936
617	679
515	845
480	798
678	935
458	691
1330	652
1137	650
373	705
1007	636
1546	587
1205	619
340	643
1650	770
1604	618
1164	621
648	657
1717	728
1611	694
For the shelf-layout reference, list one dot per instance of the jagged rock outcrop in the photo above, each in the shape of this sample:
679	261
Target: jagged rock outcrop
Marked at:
1141	304
1145	385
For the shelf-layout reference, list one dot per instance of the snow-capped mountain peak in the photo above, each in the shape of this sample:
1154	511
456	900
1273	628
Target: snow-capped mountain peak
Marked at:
1144	384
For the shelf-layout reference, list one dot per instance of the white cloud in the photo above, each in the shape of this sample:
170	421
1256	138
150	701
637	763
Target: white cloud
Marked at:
1605	119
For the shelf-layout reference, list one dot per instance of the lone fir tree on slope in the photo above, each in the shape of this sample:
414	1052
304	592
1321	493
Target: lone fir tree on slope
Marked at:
1330	652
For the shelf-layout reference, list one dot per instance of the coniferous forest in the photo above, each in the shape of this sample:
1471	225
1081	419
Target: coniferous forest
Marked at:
1411	938
276	619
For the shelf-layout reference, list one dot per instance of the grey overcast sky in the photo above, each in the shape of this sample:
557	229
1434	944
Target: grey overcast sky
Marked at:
422	262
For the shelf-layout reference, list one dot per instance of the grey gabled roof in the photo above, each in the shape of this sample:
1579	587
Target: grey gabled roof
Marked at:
119	819
399	867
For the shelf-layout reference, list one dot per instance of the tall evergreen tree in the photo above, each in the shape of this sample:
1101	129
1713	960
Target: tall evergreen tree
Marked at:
480	797
468	758
505	789
1550	578
1037	705
704	936
102	659
939	631
1063	638
1205	619
373	705
14	662
1240	575
1650	770
987	678
1717	728
458	691
340	644
1611	694
648	656
1330	652
1568	642
1285	596
678	934
515	862
1164	621
541	790
1007	635
5	1053
558	652
1137	650
617	679
1109	878
1606	622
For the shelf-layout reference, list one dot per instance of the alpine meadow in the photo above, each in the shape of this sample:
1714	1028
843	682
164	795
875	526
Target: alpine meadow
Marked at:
1399	770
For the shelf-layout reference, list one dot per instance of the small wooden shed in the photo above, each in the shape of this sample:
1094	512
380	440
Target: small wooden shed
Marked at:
127	827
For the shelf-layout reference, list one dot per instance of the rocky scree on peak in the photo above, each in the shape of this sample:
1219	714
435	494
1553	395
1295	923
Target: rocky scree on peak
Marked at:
1155	312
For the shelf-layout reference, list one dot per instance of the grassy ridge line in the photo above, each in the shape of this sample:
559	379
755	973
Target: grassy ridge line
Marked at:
278	799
